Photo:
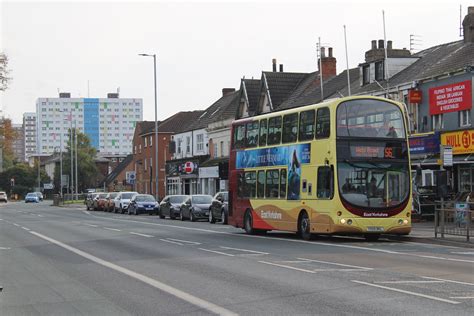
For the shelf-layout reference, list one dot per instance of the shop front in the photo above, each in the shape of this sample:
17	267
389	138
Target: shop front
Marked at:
424	153
182	176
213	175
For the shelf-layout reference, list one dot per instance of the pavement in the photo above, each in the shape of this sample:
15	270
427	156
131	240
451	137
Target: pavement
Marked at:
68	261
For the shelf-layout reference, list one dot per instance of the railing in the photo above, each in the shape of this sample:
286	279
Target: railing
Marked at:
68	198
454	221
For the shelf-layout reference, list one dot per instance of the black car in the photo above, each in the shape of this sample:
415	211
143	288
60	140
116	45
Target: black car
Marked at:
170	206
219	210
143	203
196	207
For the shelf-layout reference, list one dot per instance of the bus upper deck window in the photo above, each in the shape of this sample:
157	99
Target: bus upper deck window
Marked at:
274	130
252	135
239	137
323	123
290	128
262	141
306	131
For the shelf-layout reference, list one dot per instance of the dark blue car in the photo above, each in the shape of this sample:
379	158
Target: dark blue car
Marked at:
143	203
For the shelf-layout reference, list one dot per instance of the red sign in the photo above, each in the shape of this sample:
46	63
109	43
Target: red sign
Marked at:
414	96
451	98
189	167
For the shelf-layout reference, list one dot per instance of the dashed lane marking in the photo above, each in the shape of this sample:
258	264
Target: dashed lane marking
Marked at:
5	248
217	252
213	308
87	212
463	252
16	224
410	282
185	241
245	250
112	229
172	242
407	292
462	297
447	280
287	267
143	235
336	264
25	228
91	225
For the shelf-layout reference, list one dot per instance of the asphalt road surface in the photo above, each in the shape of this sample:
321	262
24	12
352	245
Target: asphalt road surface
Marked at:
58	261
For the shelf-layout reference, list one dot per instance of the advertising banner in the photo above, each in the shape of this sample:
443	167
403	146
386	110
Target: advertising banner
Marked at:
462	142
422	145
451	97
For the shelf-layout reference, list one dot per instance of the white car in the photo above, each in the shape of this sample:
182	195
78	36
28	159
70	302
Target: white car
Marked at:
122	200
3	197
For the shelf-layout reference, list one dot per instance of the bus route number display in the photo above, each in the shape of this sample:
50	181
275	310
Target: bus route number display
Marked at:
374	152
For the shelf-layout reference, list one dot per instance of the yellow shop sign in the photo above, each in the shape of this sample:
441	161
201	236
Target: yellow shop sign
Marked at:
462	142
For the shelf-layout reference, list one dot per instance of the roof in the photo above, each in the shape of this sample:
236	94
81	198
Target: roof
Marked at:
174	124
120	167
282	84
145	126
252	87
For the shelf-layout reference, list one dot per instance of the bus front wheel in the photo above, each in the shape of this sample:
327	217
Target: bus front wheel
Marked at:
248	223
304	227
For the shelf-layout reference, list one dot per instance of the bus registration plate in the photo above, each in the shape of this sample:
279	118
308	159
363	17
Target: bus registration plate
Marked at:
375	229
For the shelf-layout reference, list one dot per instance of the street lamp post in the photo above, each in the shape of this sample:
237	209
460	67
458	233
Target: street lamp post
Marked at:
156	124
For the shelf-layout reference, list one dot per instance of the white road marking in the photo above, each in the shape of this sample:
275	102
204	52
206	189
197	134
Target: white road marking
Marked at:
91	225
409	282
217	252
407	292
185	241
87	212
463	252
172	242
336	264
446	280
245	250
287	267
39	215
5	248
462	297
143	278
113	229
16	224
1	219
440	258
143	235
25	228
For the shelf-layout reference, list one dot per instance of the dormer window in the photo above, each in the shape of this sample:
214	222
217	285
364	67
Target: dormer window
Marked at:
366	74
379	70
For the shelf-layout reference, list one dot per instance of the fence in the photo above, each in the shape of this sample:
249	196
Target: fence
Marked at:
58	200
456	220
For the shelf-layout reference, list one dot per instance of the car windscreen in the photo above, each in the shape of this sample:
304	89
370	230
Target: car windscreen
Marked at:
113	195
102	196
127	196
177	199
31	195
204	199
145	198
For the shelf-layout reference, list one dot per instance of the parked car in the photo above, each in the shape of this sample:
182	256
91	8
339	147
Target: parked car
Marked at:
99	202
110	201
196	207
32	197
3	197
170	206
143	203
90	200
219	210
40	195
122	201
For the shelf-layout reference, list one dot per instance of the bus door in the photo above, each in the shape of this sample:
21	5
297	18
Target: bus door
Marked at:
393	187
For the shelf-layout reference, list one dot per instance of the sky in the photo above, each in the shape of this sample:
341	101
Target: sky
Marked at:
201	46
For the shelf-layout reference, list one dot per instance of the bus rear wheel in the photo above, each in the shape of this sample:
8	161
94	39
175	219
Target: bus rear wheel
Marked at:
248	223
372	237
304	229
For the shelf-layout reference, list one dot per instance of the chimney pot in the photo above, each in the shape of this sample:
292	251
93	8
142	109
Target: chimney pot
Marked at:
323	52
468	26
374	44
227	91
330	51
470	10
389	44
281	67
381	44
274	64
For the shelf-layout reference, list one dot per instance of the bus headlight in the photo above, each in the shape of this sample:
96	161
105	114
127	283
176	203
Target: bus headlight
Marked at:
343	221
405	221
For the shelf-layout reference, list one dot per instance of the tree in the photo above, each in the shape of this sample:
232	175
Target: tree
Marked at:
25	178
4	79
7	136
88	175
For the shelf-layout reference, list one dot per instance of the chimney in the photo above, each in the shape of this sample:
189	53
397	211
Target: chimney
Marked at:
468	26
281	67
381	45
328	64
64	95
274	64
389	45
227	91
374	44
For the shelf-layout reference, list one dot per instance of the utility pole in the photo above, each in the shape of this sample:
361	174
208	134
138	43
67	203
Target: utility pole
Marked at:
61	164
77	176
71	147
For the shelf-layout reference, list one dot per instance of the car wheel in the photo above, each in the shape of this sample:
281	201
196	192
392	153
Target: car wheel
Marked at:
304	226
172	216
192	217
223	217
161	215
248	223
87	207
212	220
181	216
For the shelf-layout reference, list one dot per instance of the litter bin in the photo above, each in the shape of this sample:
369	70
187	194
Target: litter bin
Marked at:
56	199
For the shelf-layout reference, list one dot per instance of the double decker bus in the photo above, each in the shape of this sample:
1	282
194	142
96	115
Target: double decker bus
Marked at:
337	167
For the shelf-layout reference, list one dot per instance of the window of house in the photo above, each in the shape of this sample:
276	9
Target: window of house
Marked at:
249	184
151	141
325	183
465	118
188	144
323	123
366	74
239	136
261	184
222	149
272	182
437	121
252	134
139	147
306	131
263	133
290	128
274	130
145	164
379	70
200	142
145	142
180	141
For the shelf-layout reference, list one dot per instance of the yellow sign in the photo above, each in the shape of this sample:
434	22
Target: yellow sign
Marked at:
462	142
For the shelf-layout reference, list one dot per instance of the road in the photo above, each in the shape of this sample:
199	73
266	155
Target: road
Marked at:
67	261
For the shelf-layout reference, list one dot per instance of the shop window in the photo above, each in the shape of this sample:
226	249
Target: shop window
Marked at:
263	133
323	123
306	131
274	130
325	182
261	184
290	128
252	134
272	182
437	122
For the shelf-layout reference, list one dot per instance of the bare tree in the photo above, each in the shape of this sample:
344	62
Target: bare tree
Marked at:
4	79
